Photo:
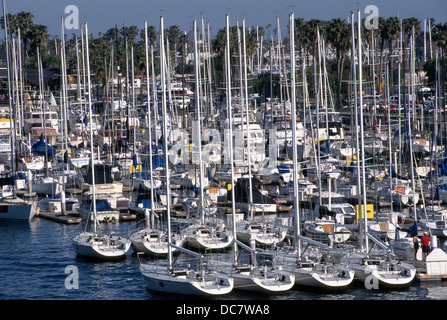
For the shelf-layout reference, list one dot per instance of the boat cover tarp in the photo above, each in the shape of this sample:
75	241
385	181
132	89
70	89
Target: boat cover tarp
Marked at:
242	192
394	174
157	162
352	167
101	205
411	231
145	200
38	148
103	174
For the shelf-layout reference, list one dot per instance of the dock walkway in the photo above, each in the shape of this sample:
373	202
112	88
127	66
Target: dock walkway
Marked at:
61	218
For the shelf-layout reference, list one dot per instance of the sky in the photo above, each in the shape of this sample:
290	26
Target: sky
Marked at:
101	15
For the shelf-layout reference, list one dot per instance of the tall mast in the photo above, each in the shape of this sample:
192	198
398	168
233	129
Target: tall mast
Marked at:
230	129
149	116
250	199
294	146
356	107
165	137
359	22
92	159
199	130
12	130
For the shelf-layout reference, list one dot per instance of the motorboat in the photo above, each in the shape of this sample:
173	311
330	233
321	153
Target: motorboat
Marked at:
17	209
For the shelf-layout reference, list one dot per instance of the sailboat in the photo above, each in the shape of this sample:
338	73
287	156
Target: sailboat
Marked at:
14	208
254	277
385	271
382	269
316	271
264	233
94	243
163	276
250	276
209	233
152	239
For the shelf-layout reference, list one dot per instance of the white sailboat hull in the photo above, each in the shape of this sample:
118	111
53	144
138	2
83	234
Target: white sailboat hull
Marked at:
263	235
323	279
186	282
258	208
268	282
91	245
115	188
390	279
202	238
333	235
153	242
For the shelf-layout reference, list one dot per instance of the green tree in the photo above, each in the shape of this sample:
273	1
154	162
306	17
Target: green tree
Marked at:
338	35
408	24
40	36
390	33
25	21
11	23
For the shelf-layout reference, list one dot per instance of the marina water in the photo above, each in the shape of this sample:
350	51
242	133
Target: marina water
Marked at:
38	262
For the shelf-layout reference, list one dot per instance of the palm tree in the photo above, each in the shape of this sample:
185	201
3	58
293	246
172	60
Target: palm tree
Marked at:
409	23
130	34
173	36
11	22
390	33
310	28
338	34
309	42
439	34
151	35
25	23
39	34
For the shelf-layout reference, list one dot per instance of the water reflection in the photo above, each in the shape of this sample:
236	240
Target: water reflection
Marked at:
433	290
33	257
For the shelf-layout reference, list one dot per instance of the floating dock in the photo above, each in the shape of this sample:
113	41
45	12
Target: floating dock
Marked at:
433	268
66	219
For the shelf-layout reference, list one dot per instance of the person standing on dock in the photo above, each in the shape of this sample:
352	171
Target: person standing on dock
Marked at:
425	241
415	245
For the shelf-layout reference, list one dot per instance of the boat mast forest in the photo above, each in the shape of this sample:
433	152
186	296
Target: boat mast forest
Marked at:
259	48
239	140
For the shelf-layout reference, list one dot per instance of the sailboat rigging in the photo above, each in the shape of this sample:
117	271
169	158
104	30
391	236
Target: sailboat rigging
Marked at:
94	243
165	277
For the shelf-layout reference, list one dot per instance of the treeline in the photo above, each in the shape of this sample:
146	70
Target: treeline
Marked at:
335	32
